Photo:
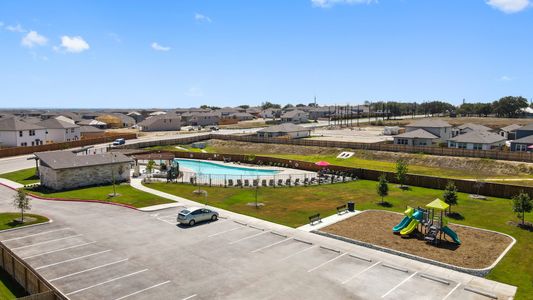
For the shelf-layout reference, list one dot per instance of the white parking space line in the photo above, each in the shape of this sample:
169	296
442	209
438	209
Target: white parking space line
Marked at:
171	223
451	292
361	272
62	249
143	290
107	281
248	237
190	297
268	246
298	252
398	285
88	270
327	262
225	231
72	259
46	242
35	234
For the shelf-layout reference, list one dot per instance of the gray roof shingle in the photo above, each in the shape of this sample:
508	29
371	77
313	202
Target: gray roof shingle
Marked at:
478	137
14	124
58	160
285	127
417	134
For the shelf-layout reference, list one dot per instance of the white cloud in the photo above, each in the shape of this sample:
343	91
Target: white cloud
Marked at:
509	6
73	44
1	24
194	92
330	3
202	18
506	78
33	39
16	28
158	47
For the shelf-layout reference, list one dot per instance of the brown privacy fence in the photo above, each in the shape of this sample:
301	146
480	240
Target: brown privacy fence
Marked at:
465	186
62	146
35	285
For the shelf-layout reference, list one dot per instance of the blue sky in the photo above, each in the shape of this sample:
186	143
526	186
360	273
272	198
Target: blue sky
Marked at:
186	53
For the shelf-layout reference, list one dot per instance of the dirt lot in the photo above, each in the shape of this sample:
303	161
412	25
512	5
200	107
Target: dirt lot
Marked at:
494	123
373	134
485	168
479	249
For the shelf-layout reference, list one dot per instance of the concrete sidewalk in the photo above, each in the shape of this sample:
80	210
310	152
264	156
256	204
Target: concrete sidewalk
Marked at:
328	221
11	184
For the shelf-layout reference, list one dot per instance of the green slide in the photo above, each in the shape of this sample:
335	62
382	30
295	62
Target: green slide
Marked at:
412	226
447	230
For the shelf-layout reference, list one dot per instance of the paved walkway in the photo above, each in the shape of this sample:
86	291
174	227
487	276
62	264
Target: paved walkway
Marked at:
10	183
328	221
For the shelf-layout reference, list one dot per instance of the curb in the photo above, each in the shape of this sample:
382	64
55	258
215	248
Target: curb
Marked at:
27	226
73	199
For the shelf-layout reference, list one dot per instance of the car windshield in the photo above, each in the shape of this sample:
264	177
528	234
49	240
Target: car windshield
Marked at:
184	212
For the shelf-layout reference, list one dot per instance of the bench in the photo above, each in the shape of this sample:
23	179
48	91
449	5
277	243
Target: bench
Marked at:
315	219
342	209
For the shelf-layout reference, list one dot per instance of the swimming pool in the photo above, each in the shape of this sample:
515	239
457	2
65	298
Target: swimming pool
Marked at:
204	167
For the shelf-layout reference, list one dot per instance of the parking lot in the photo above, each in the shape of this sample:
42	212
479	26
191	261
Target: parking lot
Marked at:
127	254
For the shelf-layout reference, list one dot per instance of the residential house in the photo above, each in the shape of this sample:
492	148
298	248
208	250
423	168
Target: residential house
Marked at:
418	137
58	131
17	133
63	170
294	116
254	111
439	128
316	113
91	132
271	113
509	132
241	116
285	129
167	122
523	144
524	131
471	127
477	140
200	119
93	123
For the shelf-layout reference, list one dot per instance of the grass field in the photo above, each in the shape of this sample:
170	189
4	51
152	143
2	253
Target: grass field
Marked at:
25	176
292	206
126	195
9	288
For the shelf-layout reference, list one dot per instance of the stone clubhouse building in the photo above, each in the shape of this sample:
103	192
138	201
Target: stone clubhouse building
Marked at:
64	170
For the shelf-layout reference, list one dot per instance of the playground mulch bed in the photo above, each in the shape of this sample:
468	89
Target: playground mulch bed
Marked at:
479	248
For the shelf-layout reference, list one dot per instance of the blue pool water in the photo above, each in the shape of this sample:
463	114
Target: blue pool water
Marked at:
205	167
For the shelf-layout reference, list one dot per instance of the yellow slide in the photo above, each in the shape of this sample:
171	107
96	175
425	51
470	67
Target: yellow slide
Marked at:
410	227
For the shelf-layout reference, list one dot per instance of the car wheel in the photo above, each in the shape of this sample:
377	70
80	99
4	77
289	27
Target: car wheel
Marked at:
192	222
214	217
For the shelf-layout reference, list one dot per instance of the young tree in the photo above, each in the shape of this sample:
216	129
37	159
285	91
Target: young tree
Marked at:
450	195
150	166
383	187
401	172
521	204
22	202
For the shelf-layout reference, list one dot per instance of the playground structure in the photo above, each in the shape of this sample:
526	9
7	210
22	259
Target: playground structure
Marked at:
429	221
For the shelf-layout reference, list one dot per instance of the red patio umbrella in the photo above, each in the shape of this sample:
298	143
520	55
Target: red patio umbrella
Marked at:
322	163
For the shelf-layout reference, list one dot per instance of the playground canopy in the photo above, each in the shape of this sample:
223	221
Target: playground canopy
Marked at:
322	163
438	204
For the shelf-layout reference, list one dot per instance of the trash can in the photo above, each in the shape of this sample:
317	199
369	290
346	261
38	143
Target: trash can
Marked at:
351	206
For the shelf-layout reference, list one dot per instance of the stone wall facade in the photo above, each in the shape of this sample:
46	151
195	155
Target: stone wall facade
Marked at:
65	179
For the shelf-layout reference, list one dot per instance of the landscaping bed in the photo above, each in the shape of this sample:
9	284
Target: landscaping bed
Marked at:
479	248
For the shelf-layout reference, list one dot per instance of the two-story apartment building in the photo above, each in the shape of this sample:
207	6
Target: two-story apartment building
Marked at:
16	133
58	131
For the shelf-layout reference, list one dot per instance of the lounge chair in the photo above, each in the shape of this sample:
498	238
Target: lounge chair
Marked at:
297	181
255	182
263	182
288	182
239	183
230	182
246	182
271	182
280	182
306	181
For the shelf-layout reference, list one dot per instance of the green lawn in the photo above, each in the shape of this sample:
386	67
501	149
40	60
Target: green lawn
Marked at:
25	176
292	206
9	288
127	195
